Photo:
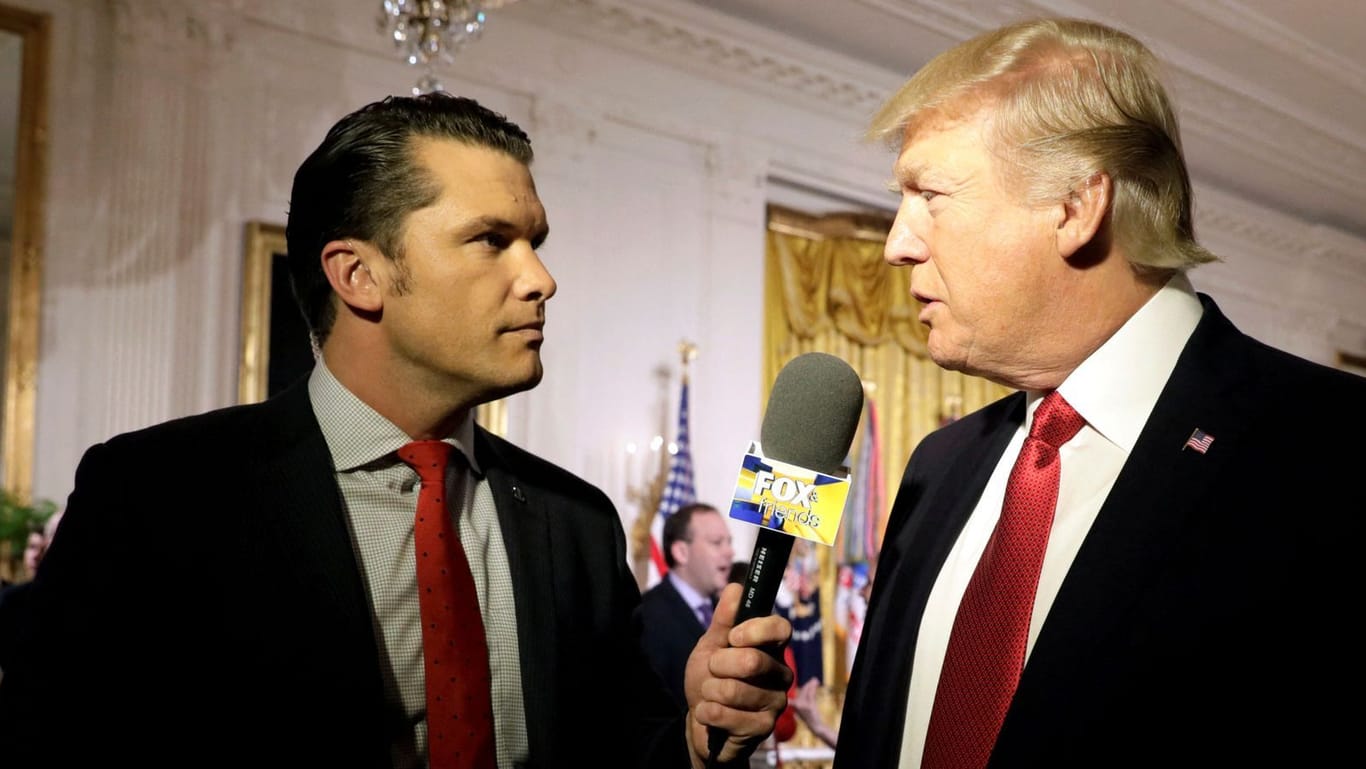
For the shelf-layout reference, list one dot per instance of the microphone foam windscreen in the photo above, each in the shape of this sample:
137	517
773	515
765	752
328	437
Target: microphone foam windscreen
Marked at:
813	412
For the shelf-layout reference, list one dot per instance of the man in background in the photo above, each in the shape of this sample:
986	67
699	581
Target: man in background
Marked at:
34	547
675	612
1138	559
14	598
354	573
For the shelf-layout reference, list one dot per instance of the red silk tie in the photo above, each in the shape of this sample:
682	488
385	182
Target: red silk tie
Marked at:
986	651
454	649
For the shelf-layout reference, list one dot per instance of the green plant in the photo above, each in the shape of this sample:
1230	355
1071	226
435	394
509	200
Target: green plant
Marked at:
17	519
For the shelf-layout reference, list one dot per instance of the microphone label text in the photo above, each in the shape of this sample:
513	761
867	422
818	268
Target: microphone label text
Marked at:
777	495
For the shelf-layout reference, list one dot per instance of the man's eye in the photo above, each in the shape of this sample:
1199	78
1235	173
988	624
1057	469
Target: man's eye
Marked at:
495	240
928	194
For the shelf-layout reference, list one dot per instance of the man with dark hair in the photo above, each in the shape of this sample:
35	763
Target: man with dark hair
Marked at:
674	613
358	574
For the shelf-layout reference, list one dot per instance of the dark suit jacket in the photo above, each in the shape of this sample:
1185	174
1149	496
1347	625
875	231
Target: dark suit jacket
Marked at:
1206	620
669	630
14	622
203	605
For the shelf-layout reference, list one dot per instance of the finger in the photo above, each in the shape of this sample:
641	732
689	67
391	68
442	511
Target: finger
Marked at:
740	726
745	731
736	694
723	617
771	630
750	664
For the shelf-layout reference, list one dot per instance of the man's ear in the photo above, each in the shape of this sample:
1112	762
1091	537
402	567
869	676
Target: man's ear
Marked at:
1083	213
346	265
680	553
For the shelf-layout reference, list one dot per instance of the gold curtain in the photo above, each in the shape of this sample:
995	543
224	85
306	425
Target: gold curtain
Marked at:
827	289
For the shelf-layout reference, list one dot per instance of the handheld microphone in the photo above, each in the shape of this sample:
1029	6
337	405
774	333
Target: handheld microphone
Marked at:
813	412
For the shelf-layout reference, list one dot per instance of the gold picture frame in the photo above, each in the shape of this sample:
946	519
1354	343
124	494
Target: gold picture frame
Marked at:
1352	362
265	287
23	277
265	244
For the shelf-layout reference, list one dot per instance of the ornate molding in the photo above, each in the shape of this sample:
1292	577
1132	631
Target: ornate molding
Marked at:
1263	233
1301	148
950	17
663	35
1244	22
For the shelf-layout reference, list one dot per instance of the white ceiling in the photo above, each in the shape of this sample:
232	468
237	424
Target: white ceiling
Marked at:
1271	93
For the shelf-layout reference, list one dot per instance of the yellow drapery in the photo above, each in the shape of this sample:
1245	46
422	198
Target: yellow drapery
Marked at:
827	289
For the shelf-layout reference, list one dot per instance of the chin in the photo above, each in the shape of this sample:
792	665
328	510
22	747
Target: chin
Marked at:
945	358
515	385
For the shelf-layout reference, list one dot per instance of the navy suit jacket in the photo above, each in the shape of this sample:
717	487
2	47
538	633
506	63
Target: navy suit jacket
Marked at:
1207	618
203	604
669	630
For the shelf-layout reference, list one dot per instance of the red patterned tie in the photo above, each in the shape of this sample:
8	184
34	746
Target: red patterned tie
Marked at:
986	652
454	650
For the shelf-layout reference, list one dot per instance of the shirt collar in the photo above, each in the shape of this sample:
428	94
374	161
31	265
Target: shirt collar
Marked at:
1117	386
357	435
689	593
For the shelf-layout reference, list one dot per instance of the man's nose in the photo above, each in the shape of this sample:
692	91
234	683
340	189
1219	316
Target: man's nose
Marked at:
904	248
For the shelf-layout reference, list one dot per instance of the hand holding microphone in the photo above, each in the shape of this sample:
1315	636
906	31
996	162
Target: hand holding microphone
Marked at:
813	412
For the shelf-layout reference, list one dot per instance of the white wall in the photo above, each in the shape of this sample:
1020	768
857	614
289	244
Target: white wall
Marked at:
660	135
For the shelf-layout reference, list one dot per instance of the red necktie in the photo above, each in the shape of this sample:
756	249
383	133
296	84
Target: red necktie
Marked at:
986	652
454	650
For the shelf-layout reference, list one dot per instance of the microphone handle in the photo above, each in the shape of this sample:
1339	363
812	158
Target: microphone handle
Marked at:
772	548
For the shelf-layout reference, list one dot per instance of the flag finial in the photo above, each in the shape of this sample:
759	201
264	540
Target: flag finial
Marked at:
687	351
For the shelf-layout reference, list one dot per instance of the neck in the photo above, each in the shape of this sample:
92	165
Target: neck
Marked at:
1097	306
423	409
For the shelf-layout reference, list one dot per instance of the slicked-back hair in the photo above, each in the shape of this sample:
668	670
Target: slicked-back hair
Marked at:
1069	99
677	528
364	180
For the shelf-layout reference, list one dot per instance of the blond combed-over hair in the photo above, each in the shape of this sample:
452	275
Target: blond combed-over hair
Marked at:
1070	99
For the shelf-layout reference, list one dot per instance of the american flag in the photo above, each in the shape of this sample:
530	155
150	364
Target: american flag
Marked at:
1199	440
863	520
678	487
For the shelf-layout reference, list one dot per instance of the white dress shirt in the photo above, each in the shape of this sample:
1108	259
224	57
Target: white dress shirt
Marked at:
1114	390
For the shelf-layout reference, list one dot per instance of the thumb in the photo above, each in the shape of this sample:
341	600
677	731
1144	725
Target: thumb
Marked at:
717	636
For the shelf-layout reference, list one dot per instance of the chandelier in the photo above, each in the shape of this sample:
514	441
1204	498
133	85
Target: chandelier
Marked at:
429	32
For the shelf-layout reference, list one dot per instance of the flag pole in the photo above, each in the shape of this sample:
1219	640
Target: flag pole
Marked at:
687	351
645	547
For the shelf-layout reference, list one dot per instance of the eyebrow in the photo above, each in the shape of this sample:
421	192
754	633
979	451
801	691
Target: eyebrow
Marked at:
484	223
911	170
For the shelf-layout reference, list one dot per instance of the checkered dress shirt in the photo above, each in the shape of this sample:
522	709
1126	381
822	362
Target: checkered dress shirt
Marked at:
380	493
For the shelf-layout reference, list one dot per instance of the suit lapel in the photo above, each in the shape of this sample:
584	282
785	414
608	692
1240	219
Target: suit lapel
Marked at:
525	522
305	503
1140	525
941	486
296	541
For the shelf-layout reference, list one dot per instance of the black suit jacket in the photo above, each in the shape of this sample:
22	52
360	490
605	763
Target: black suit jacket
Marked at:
203	605
669	630
1206	619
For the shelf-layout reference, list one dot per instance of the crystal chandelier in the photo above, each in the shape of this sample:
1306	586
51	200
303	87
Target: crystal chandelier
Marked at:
428	32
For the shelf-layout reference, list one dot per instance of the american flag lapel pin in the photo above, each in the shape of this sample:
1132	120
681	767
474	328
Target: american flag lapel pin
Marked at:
1199	440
